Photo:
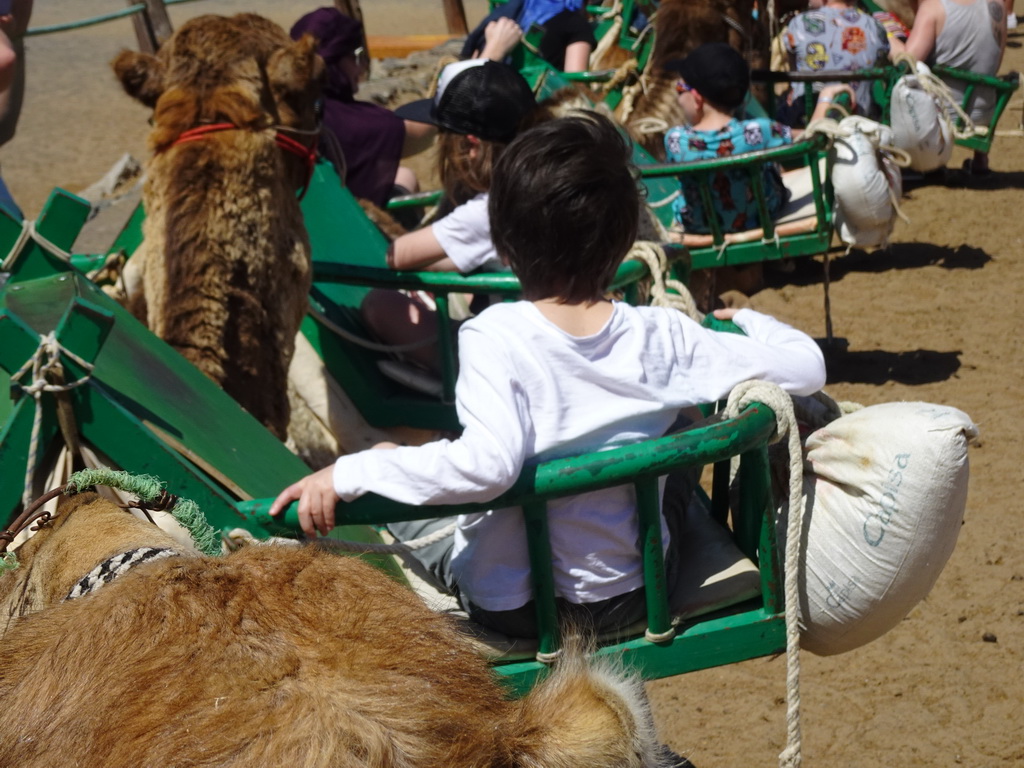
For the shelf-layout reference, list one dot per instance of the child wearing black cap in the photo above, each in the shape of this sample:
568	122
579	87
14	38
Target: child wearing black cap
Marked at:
713	84
563	371
479	107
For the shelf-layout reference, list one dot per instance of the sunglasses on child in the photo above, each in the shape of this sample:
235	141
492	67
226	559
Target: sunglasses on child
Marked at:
682	87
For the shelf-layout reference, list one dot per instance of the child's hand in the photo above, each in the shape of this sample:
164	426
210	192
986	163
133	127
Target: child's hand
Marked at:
317	499
726	314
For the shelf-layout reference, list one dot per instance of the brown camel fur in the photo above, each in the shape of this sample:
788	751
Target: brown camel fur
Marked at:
225	265
274	656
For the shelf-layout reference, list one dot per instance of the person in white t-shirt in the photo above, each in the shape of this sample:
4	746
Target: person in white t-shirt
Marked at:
563	371
478	108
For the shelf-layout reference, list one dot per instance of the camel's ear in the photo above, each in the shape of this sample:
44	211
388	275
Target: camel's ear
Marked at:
141	75
296	69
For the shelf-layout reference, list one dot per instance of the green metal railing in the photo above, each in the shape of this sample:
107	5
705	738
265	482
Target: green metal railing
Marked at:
92	21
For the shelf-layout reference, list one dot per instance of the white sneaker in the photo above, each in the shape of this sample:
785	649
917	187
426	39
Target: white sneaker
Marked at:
1011	21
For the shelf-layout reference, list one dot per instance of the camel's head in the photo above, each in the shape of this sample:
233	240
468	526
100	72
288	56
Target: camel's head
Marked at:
242	69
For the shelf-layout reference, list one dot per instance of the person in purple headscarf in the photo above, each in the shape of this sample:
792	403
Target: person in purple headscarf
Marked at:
567	42
372	139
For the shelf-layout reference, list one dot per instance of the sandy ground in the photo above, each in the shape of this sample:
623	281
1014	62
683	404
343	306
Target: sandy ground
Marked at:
936	317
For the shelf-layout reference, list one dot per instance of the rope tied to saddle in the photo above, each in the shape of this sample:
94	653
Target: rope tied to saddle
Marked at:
786	427
151	496
29	232
653	255
610	37
834	130
631	92
47	375
935	87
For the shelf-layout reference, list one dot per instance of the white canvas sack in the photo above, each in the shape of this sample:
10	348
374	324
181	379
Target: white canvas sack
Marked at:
886	488
866	181
920	121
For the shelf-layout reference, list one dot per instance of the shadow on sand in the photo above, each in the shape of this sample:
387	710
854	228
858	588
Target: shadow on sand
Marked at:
896	256
918	366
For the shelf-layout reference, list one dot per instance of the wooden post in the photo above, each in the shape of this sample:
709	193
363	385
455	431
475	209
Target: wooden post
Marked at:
152	26
455	15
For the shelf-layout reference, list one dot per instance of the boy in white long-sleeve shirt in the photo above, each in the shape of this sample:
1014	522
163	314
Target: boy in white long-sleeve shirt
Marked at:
562	371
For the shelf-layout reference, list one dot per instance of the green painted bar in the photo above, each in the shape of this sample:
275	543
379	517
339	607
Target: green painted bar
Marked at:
538	542
648	503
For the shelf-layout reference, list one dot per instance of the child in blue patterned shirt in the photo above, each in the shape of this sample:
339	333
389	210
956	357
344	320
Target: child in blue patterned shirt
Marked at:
714	80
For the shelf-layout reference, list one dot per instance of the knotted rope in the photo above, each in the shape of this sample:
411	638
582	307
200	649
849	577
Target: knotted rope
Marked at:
630	92
620	75
943	96
654	257
151	496
29	232
610	37
44	363
785	426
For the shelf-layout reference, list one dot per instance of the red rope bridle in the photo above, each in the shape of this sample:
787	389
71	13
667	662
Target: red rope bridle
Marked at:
285	142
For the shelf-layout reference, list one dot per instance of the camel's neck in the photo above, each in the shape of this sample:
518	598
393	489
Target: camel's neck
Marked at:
55	560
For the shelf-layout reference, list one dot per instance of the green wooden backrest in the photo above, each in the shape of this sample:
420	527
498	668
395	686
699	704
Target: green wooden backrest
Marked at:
773	244
751	629
880	78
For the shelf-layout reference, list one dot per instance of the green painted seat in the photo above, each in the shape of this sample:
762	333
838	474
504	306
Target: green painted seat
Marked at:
713	617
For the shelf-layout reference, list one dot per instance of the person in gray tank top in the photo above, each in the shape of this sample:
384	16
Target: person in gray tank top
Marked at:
966	34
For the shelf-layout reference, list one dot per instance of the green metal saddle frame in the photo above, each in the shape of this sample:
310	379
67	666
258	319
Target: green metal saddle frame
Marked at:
884	80
812	235
747	630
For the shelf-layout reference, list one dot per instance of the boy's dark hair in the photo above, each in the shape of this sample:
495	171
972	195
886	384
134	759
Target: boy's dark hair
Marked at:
564	207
